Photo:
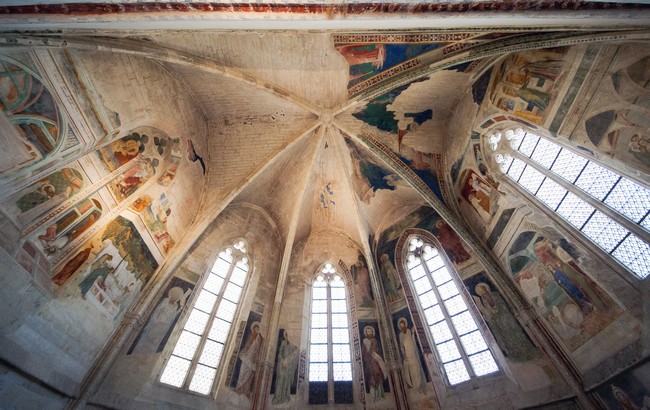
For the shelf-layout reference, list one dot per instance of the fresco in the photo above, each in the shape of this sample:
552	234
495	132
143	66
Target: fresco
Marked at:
480	194
245	370
159	325
123	150
193	156
285	377
508	333
368	177
375	369
366	60
424	218
30	107
575	307
526	84
155	216
166	179
414	368
46	193
77	220
361	279
128	182
629	390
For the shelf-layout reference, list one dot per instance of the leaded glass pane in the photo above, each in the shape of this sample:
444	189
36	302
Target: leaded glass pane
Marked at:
596	180
433	314
417	272
202	379
551	193
319	306
318	320
435	263
516	168
429	253
448	290
422	285
545	153
238	276
605	232
175	371
186	345
456	372
197	321
448	351
339	306
211	353
635	254
531	179
318	336
473	342
232	292
574	210
219	330
221	266
483	363
528	144
340	335
214	283
339	320
568	165
205	301
226	310
317	372
441	276
412	262
242	265
318	353
341	353
463	323
428	299
629	198
455	305
319	293
440	332
342	372
338	293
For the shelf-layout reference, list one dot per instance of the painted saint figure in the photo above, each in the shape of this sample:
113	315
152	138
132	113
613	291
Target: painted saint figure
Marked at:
362	280
411	367
249	355
373	364
285	369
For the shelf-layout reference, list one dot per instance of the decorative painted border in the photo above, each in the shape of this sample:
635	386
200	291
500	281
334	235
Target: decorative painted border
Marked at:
384	75
400	38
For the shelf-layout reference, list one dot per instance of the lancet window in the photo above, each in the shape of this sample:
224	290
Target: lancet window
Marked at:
609	209
196	356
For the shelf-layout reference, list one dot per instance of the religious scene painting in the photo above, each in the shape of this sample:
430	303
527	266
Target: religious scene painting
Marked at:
375	370
414	369
248	356
158	328
629	390
361	280
46	193
110	270
30	120
367	176
156	216
480	194
128	182
285	377
575	306
123	150
526	84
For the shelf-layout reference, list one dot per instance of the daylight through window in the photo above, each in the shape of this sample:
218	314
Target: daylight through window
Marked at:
459	343
198	351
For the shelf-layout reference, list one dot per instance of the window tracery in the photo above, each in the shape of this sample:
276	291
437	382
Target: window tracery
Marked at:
196	356
611	210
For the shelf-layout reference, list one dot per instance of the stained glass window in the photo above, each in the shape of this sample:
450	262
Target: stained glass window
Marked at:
196	356
611	210
330	360
459	344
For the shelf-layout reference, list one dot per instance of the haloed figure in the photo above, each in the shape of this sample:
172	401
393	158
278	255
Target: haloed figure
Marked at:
285	369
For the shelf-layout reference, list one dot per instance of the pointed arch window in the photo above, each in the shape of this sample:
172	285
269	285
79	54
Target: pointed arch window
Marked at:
330	360
194	361
609	209
461	348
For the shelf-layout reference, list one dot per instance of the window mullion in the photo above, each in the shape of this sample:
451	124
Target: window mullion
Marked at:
447	316
208	326
330	352
615	216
